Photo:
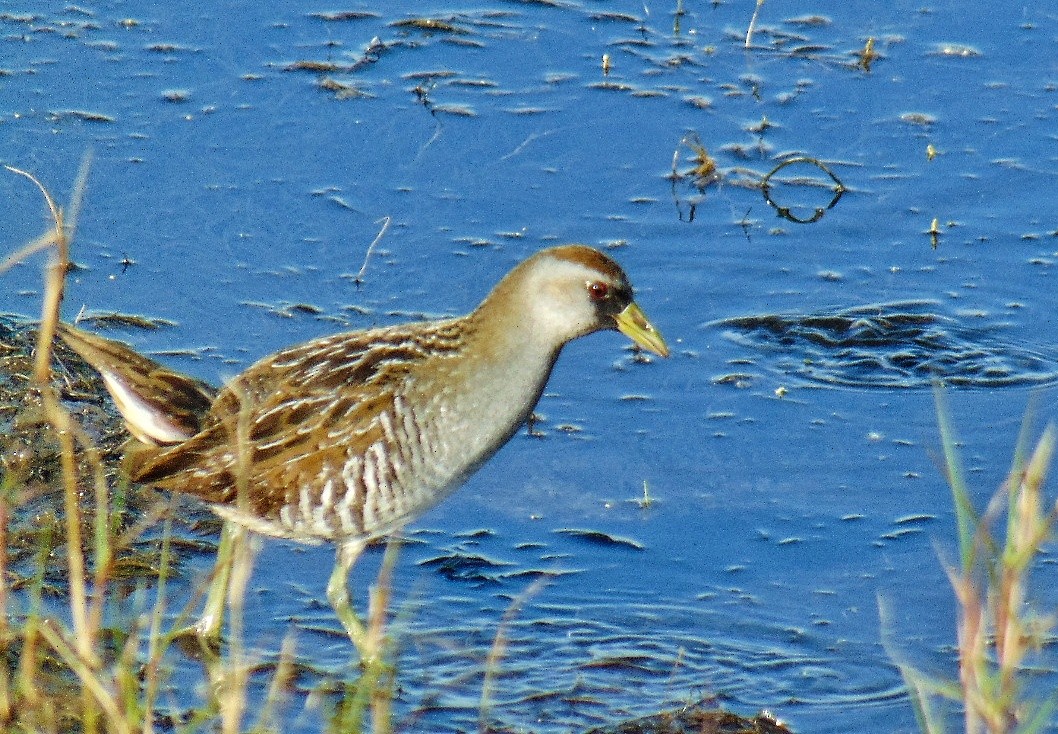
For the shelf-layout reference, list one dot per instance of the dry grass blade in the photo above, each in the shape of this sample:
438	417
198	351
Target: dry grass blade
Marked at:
998	628
499	649
154	639
56	414
234	677
54	281
285	670
966	516
60	420
41	243
85	670
60	236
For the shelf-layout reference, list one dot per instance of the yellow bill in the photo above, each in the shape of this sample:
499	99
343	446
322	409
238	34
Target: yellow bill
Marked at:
633	323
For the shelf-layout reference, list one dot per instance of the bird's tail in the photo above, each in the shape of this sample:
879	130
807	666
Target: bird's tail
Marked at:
159	406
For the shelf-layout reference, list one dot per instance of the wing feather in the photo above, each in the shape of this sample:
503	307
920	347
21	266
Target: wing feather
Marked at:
307	411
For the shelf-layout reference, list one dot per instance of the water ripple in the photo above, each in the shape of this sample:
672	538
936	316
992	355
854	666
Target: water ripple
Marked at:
906	344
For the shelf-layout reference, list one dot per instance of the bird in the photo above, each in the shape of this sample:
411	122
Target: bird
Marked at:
348	437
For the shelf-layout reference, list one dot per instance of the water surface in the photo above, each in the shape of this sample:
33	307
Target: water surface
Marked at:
243	159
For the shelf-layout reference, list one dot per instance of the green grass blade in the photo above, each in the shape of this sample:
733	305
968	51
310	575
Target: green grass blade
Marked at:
966	516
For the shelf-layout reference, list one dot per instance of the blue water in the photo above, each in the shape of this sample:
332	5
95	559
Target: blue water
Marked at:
243	190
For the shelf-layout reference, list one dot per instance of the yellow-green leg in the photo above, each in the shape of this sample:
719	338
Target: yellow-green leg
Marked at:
338	595
212	619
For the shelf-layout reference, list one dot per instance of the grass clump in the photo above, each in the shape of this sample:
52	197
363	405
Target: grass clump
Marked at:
1000	633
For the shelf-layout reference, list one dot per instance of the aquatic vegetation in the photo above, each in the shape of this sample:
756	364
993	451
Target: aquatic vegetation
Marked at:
1002	635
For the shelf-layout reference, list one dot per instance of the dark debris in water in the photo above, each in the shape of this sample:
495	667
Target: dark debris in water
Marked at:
891	345
697	719
430	25
114	320
473	568
343	15
82	115
597	537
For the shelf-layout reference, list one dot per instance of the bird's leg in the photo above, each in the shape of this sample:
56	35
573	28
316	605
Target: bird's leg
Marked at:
338	594
209	624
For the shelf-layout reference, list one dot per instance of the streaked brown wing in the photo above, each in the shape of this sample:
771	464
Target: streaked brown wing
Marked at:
305	410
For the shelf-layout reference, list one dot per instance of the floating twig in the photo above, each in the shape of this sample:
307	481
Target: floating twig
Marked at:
784	211
753	24
359	278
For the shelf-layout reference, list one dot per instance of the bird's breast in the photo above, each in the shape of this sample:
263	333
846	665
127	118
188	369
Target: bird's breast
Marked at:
437	431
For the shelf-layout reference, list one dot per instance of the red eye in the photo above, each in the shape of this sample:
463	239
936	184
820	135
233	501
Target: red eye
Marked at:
598	290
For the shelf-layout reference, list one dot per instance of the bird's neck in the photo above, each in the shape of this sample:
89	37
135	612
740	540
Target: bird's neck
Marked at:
495	383
512	360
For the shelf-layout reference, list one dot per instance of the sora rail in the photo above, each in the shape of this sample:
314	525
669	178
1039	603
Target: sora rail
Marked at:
347	438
